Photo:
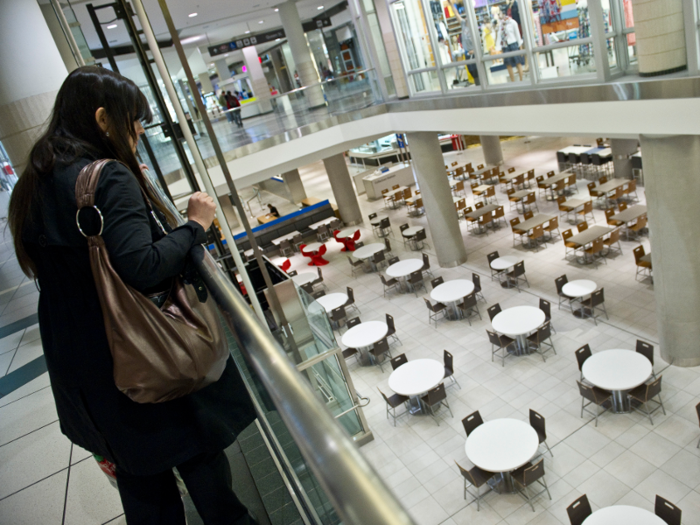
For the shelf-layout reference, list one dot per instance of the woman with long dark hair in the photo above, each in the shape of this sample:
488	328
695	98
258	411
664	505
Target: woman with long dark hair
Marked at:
98	115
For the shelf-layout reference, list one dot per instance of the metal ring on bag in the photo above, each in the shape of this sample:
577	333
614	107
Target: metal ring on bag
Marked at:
77	221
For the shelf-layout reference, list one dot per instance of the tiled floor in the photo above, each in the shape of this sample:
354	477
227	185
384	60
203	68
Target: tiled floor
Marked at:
46	480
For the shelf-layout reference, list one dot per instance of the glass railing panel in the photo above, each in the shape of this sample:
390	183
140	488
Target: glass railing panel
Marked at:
424	82
498	71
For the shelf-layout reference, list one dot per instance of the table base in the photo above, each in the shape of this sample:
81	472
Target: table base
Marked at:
364	358
583	313
502	483
521	347
508	283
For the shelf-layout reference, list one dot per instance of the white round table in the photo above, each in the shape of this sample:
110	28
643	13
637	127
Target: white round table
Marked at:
503	263
502	445
403	269
347	232
451	292
623	515
313	247
415	378
332	301
410	232
379	218
579	289
364	335
367	251
304	278
617	371
519	322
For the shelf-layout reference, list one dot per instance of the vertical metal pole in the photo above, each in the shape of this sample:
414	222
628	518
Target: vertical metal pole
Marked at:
101	35
201	168
156	166
272	295
65	26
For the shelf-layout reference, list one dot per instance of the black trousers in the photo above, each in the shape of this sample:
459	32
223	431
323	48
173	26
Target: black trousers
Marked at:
155	500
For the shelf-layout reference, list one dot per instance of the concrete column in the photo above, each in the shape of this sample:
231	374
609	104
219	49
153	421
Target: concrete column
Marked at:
223	71
294	185
303	60
343	190
660	30
392	49
33	73
261	91
493	154
621	150
59	37
671	187
205	81
429	172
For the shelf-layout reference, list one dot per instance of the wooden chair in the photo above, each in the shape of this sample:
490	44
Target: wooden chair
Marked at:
553	226
499	214
645	394
477	478
569	246
579	510
667	511
594	396
471	221
642	266
513	223
586	210
582	226
595	251
536	236
484	221
392	403
530	200
608	218
528	215
612	240
637	227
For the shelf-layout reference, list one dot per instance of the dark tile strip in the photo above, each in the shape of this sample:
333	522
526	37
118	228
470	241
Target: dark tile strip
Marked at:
19	325
22	376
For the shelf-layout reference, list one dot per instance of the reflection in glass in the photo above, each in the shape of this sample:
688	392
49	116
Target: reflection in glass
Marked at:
612	56
632	48
607	16
629	16
497	72
559	21
425	82
413	29
565	61
461	77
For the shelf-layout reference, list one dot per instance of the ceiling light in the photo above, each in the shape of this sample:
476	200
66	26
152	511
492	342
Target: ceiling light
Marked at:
247	32
225	55
192	15
319	7
276	9
112	26
261	22
277	39
191	39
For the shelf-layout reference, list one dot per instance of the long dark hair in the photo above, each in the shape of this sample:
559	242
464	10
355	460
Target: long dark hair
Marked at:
73	132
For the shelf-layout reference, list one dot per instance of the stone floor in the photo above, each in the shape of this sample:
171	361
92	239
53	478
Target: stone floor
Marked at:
46	480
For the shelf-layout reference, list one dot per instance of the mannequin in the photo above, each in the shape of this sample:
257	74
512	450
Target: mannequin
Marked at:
509	39
467	44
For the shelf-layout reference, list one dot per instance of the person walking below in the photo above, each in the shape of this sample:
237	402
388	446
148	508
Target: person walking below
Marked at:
233	104
223	102
98	115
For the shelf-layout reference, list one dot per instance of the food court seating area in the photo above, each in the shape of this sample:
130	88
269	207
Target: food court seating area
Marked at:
421	446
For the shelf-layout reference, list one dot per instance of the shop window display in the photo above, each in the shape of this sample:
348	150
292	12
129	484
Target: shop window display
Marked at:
559	21
413	29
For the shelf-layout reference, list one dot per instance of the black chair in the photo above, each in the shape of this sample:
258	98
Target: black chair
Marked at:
477	478
477	286
647	350
388	285
392	260
492	257
378	260
355	265
539	340
286	248
406	240
500	343
350	303
308	288
645	394
537	422
391	332
582	354
546	307
667	511
387	249
449	367
416	280
697	410
426	265
352	322
318	294
472	421
337	316
398	361
392	403
595	302
595	396
436	398
351	352
419	237
379	349
437	281
292	273
526	476
435	310
560	282
469	306
320	279
494	310
518	274
579	510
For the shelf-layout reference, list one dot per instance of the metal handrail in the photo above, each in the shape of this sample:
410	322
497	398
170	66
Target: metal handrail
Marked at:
356	491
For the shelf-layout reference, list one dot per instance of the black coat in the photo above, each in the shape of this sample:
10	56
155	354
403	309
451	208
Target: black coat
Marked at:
141	439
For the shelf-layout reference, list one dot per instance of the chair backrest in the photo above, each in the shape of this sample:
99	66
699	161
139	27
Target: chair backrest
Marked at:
437	281
468	209
471	422
553	223
320	273
510	191
697	409
403	227
641	222
387	244
623	206
579	510
390	323
560	185
514	222
654	388
479	205
539	179
385	191
582	226
461	204
477	282
353	322
591	187
292	273
449	360
419	236
528	215
603	179
437	394
398	361
530	198
619	192
560	282
586	392
419	202
492	257
588	207
511	170
534	472
546	307
614	236
459	186
667	511
383	279
378	257
537	232
638	252
350	294
519	268
407	193
381	346
318	294
338	313
544	332
430	305
385	223
469	301
646	349
598	297
608	214
426	261
386	399
372	216
566	234
486	217
561	200
286	245
550	174
395	186
582	354
494	310
480	166
393	260
500	212
632	186
597	246
537	422
308	288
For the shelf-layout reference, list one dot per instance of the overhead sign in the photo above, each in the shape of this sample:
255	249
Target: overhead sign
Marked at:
319	23
240	43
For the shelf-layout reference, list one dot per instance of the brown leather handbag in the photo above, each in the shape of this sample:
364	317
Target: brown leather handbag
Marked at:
159	353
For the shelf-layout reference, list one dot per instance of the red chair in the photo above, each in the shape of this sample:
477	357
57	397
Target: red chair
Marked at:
316	257
286	265
347	242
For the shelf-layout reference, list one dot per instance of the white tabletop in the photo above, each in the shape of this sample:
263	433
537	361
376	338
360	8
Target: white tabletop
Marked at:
365	252
289	236
501	445
332	301
379	218
505	262
417	377
304	277
279	261
365	334
404	268
320	223
452	291
347	232
623	515
410	232
617	369
313	247
518	320
579	288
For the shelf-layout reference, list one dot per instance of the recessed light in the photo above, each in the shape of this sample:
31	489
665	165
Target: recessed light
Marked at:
319	7
192	15
277	39
225	55
276	9
261	22
112	26
247	32
190	39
